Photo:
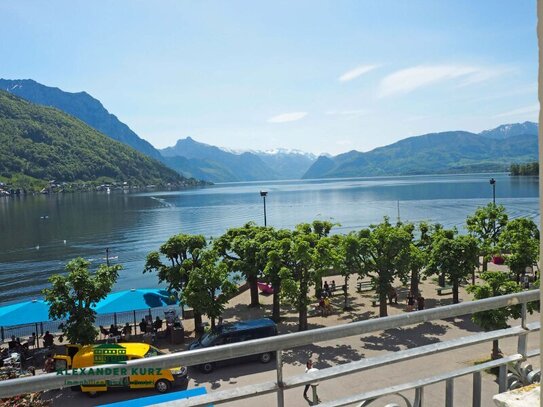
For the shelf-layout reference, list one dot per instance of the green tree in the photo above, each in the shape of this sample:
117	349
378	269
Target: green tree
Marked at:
384	254
306	255
485	225
456	257
241	251
182	252
274	251
495	283
73	295
520	240
347	259
209	287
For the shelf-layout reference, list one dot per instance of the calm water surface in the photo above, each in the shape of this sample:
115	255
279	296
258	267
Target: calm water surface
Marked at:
33	247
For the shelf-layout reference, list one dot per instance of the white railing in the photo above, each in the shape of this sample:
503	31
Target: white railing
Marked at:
283	342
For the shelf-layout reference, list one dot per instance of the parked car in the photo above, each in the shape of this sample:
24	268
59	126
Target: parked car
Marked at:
236	332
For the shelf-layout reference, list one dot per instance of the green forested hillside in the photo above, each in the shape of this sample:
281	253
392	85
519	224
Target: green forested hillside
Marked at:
447	152
47	144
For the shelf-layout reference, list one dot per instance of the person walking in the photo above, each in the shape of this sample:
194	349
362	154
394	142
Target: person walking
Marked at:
309	369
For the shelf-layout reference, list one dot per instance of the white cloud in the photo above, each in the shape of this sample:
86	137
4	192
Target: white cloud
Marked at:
356	72
521	111
287	117
409	79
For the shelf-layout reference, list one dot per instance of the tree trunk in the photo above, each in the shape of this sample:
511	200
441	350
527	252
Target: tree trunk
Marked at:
455	292
496	352
212	322
198	323
346	294
253	287
383	311
276	308
485	264
302	319
415	282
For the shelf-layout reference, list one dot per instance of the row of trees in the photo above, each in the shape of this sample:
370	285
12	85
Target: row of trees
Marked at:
204	273
525	169
294	261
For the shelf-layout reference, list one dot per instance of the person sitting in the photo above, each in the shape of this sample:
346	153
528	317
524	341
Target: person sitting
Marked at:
12	344
157	324
49	365
32	340
104	331
333	284
420	302
127	330
143	326
114	331
392	295
327	306
48	339
320	307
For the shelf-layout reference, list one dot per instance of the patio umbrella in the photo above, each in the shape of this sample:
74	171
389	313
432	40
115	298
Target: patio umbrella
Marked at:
130	300
27	312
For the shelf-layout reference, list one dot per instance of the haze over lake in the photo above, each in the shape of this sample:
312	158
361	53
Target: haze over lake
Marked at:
39	234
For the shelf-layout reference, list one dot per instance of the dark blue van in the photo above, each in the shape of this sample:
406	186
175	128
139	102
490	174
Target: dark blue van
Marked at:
236	332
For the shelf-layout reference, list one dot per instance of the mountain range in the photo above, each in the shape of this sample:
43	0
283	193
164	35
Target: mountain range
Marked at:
215	164
446	152
80	105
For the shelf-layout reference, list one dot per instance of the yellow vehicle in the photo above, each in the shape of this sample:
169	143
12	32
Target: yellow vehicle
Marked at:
81	358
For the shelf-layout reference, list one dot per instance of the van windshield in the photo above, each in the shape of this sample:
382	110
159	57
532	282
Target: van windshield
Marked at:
209	338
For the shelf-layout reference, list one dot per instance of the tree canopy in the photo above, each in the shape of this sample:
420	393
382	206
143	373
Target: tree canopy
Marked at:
73	295
520	241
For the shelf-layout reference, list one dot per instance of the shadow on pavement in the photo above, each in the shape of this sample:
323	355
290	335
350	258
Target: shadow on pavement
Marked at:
393	339
322	356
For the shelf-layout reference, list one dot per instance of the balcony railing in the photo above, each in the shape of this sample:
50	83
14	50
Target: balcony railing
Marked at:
289	341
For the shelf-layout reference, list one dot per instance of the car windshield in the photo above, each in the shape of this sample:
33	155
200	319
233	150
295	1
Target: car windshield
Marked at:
153	352
209	338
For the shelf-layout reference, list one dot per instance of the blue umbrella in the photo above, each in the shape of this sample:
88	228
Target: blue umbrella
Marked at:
133	299
27	312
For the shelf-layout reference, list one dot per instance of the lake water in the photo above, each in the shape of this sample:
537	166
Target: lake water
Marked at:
39	234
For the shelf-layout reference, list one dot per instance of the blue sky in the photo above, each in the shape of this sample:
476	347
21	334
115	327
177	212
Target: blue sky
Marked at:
319	76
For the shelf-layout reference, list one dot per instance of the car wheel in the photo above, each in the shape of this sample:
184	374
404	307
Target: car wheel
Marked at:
92	394
265	357
163	386
206	368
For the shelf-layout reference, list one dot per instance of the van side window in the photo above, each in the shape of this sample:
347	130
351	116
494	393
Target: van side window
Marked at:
237	338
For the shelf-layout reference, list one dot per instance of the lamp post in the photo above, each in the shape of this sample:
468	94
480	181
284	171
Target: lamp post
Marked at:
493	183
263	195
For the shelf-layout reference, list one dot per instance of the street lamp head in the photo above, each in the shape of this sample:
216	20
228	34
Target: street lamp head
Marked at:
263	193
492	181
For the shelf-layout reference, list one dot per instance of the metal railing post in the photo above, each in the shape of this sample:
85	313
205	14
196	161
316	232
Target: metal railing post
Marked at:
476	389
279	367
522	346
419	397
449	393
502	379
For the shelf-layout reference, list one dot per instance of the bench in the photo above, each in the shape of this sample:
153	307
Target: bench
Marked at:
442	290
375	300
341	288
364	286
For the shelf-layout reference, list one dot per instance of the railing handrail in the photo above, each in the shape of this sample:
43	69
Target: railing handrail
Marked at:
280	342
